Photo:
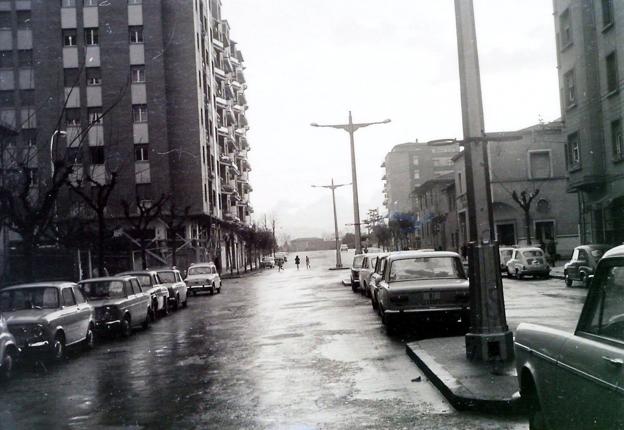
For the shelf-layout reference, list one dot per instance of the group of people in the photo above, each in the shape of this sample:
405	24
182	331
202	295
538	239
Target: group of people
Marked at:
280	263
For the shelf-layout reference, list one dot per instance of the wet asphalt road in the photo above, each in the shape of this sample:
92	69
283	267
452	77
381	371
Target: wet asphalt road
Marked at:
292	350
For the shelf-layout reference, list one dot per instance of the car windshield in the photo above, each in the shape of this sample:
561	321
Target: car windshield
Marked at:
29	298
357	260
409	269
168	277
144	280
103	290
597	253
199	271
532	253
506	253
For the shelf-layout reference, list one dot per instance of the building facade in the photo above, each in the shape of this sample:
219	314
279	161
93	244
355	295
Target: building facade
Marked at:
533	163
152	92
589	61
408	166
436	213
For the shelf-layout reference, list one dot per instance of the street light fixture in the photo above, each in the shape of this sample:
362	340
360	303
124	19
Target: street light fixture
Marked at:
351	128
333	187
52	141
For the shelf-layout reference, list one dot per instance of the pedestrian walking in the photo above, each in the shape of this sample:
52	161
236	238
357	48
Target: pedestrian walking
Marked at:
280	263
307	262
297	261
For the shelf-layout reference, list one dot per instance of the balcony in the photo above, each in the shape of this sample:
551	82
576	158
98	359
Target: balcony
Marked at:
220	73
223	131
221	102
234	169
226	160
227	188
216	41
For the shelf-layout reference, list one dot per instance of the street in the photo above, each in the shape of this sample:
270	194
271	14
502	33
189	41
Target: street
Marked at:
292	349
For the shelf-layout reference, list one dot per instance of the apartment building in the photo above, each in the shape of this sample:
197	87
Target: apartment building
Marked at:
152	91
589	61
409	165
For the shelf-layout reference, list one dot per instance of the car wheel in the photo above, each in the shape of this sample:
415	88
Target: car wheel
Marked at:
386	321
89	341
57	351
568	280
374	301
354	287
6	371
536	415
212	289
165	309
154	311
194	293
584	280
126	327
518	275
219	289
146	322
176	303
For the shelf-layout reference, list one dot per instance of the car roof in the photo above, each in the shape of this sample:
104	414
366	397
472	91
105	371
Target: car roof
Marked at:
529	248
594	246
616	252
136	272
55	284
413	254
206	263
108	278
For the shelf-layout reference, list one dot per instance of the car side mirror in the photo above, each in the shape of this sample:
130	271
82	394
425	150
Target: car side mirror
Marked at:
590	279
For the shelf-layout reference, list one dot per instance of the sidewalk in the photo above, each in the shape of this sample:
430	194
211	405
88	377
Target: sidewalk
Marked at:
557	271
468	386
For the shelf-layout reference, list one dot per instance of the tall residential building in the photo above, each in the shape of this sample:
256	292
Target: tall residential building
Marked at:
590	48
408	166
157	87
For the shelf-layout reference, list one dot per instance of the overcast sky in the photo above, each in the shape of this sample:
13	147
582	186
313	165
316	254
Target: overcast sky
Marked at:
314	60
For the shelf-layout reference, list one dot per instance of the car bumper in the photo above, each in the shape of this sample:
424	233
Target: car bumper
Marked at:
432	313
103	327
201	287
542	271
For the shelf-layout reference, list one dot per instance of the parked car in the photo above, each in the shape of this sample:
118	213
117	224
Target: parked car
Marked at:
344	247
505	254
8	351
425	286
120	304
575	380
281	255
151	284
178	291
267	262
202	277
366	271
47	317
375	278
583	263
528	261
356	266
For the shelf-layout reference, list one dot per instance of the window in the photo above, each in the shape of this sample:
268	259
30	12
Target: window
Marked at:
78	295
69	38
136	288
442	161
73	155
94	76
138	74
5	19
71	77
6	59
141	152
539	165
416	174
72	117
136	34
24	58
570	88
97	154
607	13
90	3
415	161
68	3
574	150
91	36
139	113
606	305
612	73
27	97
7	98
617	141
68	297
23	19
135	1
565	29
95	115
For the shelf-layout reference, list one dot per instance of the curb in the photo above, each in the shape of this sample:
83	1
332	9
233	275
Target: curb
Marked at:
457	395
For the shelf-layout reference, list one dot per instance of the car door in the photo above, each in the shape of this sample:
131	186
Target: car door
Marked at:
84	312
138	302
572	268
591	376
69	316
583	264
182	285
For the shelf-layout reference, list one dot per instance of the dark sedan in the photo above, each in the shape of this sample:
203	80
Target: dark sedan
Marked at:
583	263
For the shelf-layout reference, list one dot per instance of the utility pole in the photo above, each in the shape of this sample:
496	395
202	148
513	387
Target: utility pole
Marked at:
333	187
489	338
351	128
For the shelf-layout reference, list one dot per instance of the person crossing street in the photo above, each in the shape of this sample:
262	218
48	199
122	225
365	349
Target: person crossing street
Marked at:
297	261
307	262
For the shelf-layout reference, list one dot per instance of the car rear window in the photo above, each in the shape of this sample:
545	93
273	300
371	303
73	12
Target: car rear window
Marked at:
29	298
409	269
199	270
168	277
357	260
532	253
103	290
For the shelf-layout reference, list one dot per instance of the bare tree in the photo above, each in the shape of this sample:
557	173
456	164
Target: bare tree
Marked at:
524	200
175	221
142	220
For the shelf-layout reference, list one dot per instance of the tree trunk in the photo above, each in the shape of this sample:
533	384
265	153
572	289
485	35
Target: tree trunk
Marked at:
143	253
100	245
27	249
527	223
174	253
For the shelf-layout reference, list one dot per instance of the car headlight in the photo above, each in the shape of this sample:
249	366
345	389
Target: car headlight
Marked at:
36	332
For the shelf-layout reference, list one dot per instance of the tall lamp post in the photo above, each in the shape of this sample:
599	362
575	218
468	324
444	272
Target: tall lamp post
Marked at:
489	337
52	142
351	128
333	187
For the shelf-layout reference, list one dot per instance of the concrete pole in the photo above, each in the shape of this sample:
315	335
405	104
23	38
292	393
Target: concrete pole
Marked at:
338	256
356	203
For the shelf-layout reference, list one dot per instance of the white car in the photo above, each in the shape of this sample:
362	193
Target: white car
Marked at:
344	247
203	277
178	291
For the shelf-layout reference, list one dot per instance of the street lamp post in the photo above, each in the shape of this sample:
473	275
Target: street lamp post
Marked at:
52	141
489	338
351	128
333	187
